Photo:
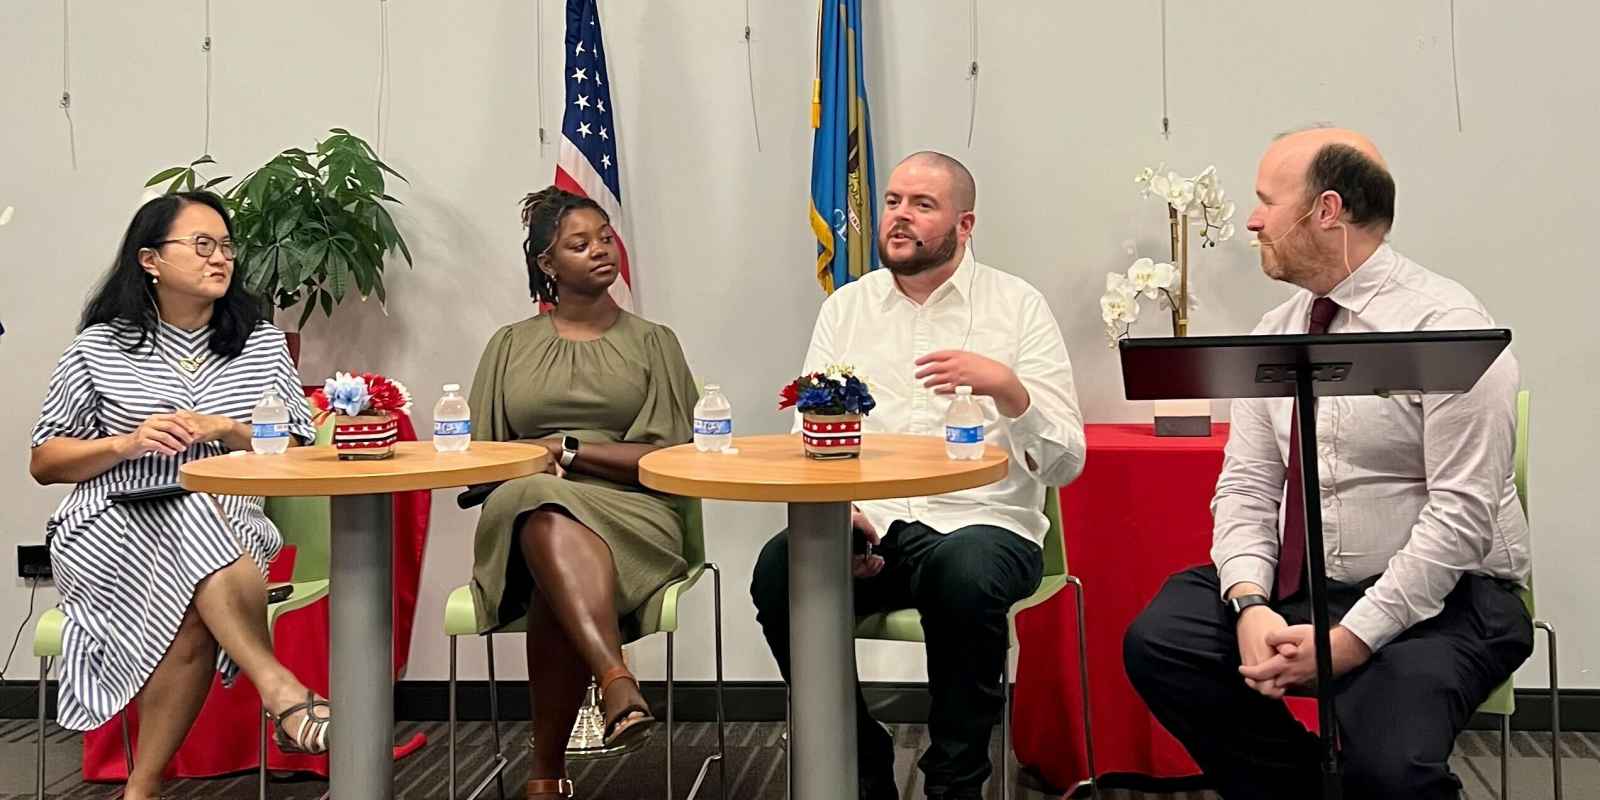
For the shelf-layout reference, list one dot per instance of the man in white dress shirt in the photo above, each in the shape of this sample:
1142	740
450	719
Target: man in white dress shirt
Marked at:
933	320
1425	540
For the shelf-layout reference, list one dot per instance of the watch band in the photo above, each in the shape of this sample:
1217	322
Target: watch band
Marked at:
1238	604
569	450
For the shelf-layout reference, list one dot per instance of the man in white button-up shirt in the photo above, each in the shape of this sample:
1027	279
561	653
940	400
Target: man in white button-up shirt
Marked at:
933	320
1425	540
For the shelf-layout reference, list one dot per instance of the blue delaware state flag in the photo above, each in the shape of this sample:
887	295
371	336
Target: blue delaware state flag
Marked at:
843	189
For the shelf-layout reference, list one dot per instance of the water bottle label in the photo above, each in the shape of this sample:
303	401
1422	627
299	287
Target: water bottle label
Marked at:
713	427
955	435
269	430
456	427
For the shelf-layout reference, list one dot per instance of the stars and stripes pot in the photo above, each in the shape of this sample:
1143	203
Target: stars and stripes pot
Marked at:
366	436
831	435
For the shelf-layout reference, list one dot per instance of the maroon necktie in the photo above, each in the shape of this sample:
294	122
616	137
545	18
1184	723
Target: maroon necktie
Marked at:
1292	554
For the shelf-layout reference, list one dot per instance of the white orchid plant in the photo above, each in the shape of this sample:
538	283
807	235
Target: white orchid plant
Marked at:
1198	202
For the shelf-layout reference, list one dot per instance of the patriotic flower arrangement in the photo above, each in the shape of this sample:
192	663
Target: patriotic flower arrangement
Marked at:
836	390
831	404
351	395
364	408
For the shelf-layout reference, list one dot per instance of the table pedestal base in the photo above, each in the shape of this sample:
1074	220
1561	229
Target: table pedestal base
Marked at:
822	664
361	629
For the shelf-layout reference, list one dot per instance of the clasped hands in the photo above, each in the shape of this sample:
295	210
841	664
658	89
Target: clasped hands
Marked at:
1275	656
171	434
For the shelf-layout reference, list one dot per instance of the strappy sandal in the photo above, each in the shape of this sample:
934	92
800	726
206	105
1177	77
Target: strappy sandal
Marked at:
621	731
311	738
560	787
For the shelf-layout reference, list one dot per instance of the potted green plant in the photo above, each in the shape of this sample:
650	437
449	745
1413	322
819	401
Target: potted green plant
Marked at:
308	226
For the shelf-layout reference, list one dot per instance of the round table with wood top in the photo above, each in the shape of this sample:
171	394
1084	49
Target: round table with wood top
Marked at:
775	469
360	580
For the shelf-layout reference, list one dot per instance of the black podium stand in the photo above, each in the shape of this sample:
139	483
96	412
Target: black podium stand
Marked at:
1306	367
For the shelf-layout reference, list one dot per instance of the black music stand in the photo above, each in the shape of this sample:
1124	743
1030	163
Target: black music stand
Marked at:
1306	367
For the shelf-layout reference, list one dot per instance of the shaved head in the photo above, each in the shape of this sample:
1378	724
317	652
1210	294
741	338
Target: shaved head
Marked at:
963	189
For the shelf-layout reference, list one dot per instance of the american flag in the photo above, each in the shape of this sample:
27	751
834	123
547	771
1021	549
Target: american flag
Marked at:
587	163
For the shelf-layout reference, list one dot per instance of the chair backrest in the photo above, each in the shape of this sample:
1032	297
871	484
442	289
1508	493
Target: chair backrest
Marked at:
694	526
694	532
1520	475
305	522
1055	540
1520	459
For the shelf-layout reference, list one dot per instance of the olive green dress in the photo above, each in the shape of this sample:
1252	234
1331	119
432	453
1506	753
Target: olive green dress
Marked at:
630	385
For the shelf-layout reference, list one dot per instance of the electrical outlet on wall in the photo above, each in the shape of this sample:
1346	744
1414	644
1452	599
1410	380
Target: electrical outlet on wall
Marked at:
33	562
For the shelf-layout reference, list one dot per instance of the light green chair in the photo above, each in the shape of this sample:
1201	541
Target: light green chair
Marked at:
905	625
1503	702
304	523
461	619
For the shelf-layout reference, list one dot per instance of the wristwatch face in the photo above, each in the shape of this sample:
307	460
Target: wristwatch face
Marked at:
569	444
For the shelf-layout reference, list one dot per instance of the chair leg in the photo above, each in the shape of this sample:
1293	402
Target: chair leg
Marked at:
1005	729
722	743
498	761
261	766
721	756
451	703
127	744
1505	757
38	778
788	741
669	715
494	719
1555	706
1083	685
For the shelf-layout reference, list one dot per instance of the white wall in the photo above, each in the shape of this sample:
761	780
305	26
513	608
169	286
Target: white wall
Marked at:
1069	109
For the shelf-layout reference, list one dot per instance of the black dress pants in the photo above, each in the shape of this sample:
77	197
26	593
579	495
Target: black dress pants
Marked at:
963	584
1398	714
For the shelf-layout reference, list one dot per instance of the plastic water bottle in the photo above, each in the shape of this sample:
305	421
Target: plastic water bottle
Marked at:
269	424
713	421
963	427
452	421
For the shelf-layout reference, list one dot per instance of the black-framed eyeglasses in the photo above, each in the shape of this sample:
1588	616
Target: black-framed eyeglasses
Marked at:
204	245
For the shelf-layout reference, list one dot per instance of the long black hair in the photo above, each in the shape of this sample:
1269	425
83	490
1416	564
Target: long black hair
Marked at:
125	296
542	213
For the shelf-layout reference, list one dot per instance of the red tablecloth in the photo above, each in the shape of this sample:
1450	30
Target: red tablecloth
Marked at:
1140	512
222	740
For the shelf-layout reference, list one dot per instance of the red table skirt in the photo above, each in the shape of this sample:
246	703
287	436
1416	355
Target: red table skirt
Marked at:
223	739
1140	512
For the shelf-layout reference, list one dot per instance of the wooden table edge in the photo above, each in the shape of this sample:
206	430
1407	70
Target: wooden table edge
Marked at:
371	484
826	492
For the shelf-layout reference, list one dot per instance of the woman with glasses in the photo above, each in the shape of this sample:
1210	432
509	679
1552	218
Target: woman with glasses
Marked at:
580	552
171	357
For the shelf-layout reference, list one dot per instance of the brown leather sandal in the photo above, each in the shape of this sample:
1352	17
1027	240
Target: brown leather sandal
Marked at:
311	737
560	787
621	731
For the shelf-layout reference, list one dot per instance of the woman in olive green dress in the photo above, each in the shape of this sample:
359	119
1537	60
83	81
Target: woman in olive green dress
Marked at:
581	549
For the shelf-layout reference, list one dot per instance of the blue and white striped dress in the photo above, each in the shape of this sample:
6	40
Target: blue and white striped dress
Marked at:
127	573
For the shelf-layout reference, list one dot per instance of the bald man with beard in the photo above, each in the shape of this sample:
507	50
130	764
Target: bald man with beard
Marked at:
1425	541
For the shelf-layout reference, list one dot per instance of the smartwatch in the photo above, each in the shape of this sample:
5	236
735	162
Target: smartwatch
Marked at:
569	450
1238	604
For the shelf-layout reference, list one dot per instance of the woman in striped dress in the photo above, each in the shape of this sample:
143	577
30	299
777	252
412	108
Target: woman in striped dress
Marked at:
171	358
